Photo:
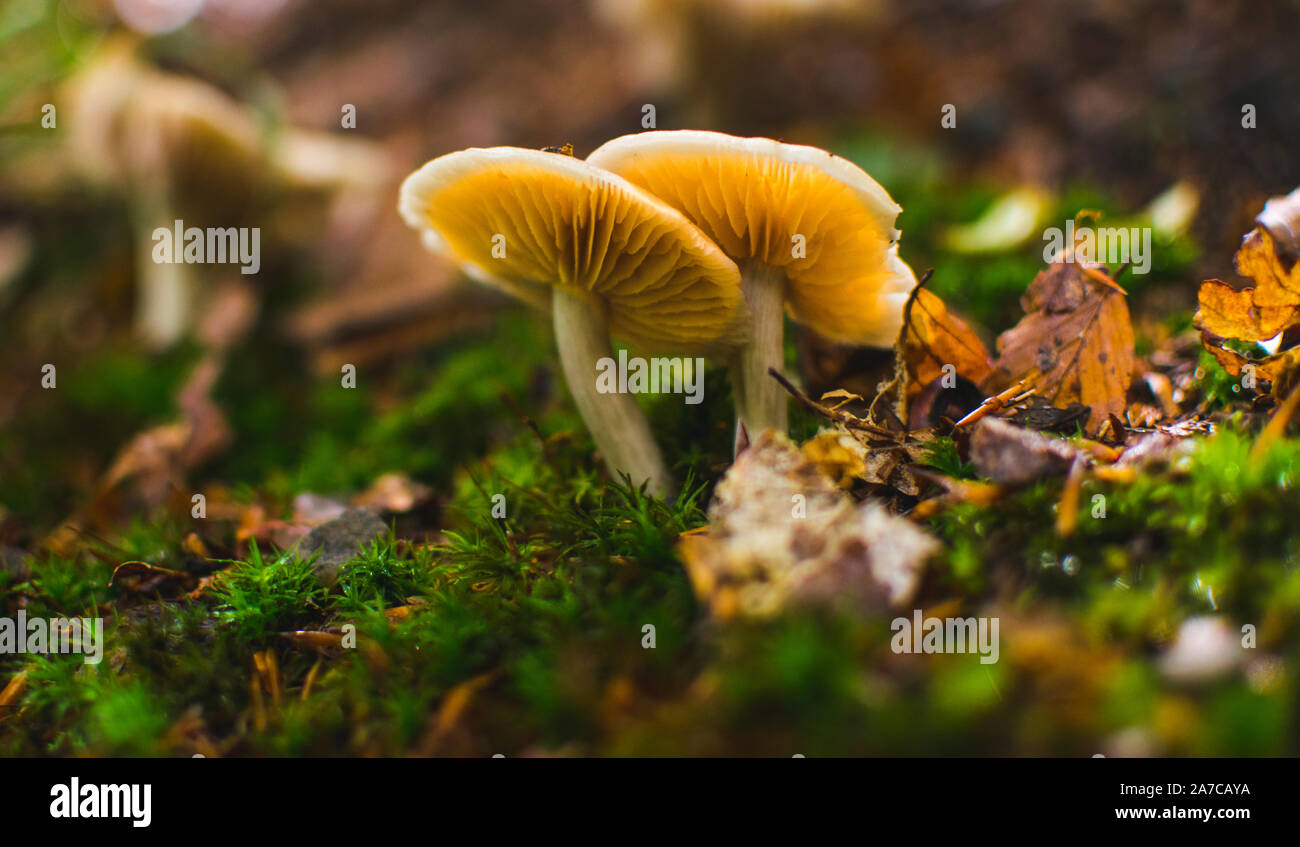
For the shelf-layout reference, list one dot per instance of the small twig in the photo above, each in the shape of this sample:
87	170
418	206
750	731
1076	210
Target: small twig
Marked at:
1011	396
898	384
843	418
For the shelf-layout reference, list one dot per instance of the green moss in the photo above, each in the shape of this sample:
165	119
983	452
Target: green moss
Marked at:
383	575
944	457
261	597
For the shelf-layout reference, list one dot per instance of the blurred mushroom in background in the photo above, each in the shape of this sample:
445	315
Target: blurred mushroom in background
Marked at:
180	149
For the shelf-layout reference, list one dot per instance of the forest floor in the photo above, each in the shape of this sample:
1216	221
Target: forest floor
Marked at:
519	601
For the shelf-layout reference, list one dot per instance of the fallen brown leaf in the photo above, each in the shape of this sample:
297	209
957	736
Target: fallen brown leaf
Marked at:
936	338
1272	369
848	458
1260	312
310	681
1231	312
1075	343
457	700
1008	454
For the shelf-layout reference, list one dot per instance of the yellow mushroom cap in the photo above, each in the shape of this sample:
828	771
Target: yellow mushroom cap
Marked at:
754	197
530	221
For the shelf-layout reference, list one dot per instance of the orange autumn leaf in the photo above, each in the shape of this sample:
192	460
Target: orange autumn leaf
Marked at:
1268	369
1260	312
1075	343
1257	313
934	338
1232	313
1275	285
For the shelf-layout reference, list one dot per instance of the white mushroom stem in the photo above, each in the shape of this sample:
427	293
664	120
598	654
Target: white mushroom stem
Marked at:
617	424
760	400
163	289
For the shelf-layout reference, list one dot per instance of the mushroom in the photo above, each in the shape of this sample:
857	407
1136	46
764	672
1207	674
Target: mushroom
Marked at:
179	147
809	230
601	253
158	137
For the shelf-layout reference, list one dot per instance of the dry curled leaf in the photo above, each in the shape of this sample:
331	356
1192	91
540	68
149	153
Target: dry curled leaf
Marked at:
1232	313
1277	284
838	455
1260	312
782	534
936	338
1271	369
1008	454
1075	343
849	457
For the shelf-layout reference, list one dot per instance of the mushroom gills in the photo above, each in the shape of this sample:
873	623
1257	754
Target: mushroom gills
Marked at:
760	399
617	424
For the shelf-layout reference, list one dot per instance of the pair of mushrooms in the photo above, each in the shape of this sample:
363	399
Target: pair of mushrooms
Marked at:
682	241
